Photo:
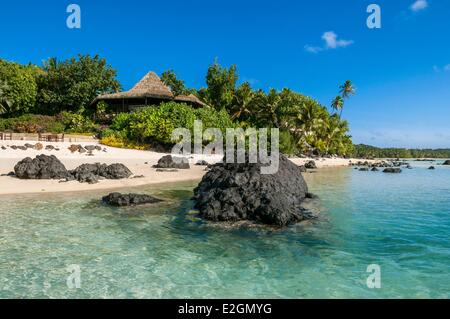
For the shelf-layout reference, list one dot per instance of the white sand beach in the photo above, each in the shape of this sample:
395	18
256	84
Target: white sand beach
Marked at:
139	162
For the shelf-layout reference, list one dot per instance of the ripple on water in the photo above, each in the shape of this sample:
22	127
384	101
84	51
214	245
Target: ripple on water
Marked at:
163	251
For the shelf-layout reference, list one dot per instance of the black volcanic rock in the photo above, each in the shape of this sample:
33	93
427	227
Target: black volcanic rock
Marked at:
118	199
447	162
41	167
392	170
235	192
310	165
84	172
172	162
49	167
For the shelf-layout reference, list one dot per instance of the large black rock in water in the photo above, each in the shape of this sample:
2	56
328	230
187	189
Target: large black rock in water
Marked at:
41	167
235	192
447	162
118	199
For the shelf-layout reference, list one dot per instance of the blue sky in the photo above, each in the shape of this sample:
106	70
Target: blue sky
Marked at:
401	71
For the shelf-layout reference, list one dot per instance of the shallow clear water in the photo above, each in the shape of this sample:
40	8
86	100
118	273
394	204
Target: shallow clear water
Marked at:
400	222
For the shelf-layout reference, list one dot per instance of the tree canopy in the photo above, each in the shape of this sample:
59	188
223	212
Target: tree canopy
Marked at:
73	84
18	89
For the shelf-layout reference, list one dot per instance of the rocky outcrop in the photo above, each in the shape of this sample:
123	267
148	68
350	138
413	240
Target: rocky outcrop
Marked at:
236	192
49	167
41	167
118	199
447	162
169	161
88	172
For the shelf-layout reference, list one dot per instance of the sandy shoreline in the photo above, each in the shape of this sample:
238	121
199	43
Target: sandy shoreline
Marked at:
139	162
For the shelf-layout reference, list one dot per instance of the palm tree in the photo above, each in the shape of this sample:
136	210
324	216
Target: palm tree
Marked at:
242	102
5	103
269	108
347	89
338	104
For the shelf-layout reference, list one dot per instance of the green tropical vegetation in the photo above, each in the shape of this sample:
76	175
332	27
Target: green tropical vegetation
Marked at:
176	85
18	88
154	125
367	151
63	91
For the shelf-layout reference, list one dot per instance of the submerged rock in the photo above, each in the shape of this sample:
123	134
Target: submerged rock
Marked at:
392	170
431	167
236	192
118	199
41	167
173	162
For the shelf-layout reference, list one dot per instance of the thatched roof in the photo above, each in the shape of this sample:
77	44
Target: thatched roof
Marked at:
150	86
189	98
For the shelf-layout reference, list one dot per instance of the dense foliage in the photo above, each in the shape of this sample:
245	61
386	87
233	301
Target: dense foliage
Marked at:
71	85
305	125
366	151
154	125
18	89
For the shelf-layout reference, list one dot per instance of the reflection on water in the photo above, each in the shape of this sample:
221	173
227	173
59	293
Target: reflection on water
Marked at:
400	222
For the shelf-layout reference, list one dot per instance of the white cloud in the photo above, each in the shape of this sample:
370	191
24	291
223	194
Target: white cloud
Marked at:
331	42
419	5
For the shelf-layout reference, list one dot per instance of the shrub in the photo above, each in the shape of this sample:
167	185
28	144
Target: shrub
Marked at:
154	125
30	123
76	123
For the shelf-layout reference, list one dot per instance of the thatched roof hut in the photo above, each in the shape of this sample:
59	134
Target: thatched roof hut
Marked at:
150	90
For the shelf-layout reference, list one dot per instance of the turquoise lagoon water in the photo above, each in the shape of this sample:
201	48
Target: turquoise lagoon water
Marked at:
400	222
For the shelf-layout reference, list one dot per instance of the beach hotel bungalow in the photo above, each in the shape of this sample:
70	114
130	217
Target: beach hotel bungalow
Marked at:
150	90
